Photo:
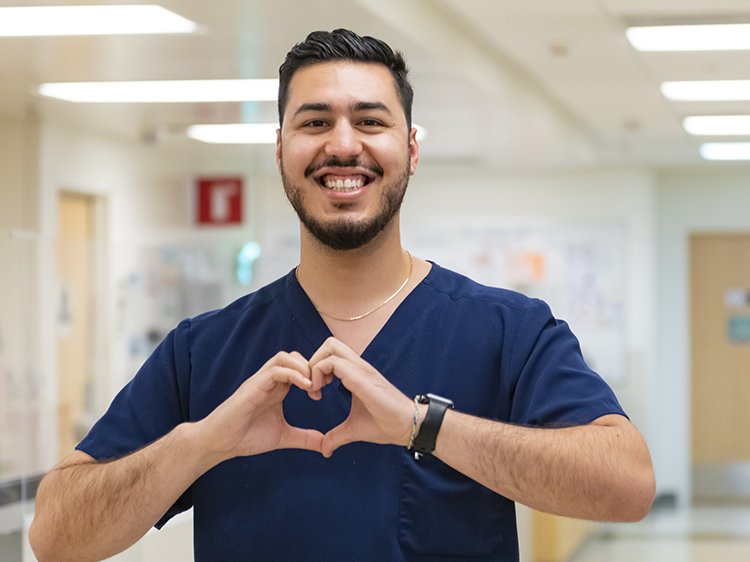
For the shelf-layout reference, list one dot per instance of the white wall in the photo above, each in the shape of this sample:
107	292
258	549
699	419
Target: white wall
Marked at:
19	375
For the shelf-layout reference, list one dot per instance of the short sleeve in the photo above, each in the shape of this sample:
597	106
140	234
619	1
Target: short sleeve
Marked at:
153	403
554	386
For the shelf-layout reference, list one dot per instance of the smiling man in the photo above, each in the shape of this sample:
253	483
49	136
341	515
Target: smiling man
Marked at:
370	405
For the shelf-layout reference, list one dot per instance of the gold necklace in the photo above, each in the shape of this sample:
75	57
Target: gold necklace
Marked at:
378	307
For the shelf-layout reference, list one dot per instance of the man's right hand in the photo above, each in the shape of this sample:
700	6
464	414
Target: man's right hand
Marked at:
89	510
251	421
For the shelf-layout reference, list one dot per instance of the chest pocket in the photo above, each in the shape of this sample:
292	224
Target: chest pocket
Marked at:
445	513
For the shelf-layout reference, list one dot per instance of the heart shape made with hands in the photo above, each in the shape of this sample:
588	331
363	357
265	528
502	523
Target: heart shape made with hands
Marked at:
380	413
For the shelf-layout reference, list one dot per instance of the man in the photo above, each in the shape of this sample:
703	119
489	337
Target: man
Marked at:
293	420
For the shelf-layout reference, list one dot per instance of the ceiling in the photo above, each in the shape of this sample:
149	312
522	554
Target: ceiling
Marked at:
498	83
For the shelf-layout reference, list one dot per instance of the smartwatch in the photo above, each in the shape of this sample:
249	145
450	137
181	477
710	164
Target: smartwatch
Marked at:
424	442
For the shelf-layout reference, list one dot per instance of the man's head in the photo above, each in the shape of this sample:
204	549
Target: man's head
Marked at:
344	45
345	148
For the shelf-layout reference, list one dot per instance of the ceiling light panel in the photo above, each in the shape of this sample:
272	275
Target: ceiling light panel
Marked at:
91	20
235	133
714	37
717	124
726	151
163	91
707	90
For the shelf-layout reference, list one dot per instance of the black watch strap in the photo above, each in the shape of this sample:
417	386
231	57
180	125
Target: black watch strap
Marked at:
424	442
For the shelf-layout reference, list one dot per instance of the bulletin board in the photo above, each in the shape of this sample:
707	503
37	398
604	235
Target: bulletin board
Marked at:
580	269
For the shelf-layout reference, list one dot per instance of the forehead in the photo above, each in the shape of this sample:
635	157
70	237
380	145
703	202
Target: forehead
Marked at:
341	83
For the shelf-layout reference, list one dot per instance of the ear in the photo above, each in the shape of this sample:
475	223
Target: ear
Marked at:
413	151
278	149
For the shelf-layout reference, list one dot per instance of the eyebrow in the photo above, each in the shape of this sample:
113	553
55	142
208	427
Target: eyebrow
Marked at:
356	107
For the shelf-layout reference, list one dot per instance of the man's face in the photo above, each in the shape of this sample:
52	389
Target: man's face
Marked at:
345	152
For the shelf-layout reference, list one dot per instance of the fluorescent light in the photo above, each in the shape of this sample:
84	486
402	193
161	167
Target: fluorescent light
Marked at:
235	133
247	133
707	90
721	37
726	151
163	91
91	20
717	124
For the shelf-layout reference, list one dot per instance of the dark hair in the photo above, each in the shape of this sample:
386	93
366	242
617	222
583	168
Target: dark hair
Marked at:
345	45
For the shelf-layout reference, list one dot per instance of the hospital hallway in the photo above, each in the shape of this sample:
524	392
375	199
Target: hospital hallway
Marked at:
705	533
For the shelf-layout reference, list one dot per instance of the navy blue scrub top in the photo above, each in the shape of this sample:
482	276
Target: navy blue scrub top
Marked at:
496	353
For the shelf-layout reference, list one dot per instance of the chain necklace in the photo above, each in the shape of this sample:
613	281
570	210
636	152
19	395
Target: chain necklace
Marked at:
378	307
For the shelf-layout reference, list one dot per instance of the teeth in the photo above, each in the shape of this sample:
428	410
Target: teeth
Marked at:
344	185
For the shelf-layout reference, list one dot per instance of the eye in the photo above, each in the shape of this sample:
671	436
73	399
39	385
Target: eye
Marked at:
315	123
369	122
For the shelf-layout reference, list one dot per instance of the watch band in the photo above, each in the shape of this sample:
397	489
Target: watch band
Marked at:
424	442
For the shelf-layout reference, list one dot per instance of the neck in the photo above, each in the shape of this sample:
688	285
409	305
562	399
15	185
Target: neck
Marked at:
348	283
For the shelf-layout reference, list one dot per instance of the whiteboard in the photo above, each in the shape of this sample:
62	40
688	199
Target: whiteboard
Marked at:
579	268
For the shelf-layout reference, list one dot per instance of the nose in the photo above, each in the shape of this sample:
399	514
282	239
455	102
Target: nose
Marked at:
343	141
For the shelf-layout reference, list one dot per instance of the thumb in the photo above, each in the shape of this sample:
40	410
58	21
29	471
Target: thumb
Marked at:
296	438
335	438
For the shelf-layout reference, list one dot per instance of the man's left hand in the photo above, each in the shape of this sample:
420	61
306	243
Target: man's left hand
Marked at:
380	413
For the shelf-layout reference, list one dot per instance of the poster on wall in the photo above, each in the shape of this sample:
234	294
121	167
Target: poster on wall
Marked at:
579	269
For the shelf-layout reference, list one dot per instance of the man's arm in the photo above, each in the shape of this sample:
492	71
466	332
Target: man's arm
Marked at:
88	510
601	470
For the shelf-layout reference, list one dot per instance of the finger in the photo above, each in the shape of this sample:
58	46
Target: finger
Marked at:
335	438
296	438
322	373
284	375
353	376
300	363
293	360
332	346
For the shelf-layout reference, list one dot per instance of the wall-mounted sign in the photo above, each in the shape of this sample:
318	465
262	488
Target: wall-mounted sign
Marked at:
739	329
219	200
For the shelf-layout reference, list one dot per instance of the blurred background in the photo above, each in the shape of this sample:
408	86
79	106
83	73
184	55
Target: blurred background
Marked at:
589	152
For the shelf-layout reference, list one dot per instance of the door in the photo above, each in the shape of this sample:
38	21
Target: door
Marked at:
720	359
75	316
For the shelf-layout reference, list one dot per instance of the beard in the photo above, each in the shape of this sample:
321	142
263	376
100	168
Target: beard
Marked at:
344	233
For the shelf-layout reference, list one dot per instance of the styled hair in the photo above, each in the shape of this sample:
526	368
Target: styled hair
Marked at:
344	45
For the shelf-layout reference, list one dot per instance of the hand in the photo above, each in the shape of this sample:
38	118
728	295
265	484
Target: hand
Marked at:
380	412
251	421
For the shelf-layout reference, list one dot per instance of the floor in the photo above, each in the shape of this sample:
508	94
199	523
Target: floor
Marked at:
700	534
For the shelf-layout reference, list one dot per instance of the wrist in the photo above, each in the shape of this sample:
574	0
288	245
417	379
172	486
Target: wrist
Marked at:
424	437
416	417
199	440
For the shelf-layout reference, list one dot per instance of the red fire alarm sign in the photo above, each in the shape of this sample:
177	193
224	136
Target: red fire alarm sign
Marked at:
219	200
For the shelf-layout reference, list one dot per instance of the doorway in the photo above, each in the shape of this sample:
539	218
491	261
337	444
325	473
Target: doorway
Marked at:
78	316
720	366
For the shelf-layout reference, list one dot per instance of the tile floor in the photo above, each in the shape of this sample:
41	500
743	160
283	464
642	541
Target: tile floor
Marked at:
699	534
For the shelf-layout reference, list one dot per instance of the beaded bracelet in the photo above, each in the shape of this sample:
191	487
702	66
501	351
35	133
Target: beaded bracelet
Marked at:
414	423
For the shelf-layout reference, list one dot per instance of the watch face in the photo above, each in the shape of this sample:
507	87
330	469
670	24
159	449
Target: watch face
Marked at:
435	398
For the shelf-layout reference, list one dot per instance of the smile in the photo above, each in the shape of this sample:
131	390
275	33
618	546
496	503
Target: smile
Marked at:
344	183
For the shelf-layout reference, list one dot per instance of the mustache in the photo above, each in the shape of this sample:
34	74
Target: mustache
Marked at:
336	162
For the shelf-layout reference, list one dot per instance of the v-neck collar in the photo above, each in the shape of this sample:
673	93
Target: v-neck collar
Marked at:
380	349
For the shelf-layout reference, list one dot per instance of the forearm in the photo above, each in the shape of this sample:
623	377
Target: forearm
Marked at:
90	510
595	471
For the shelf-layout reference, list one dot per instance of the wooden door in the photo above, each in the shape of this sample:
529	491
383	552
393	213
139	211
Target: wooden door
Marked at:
75	315
720	364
